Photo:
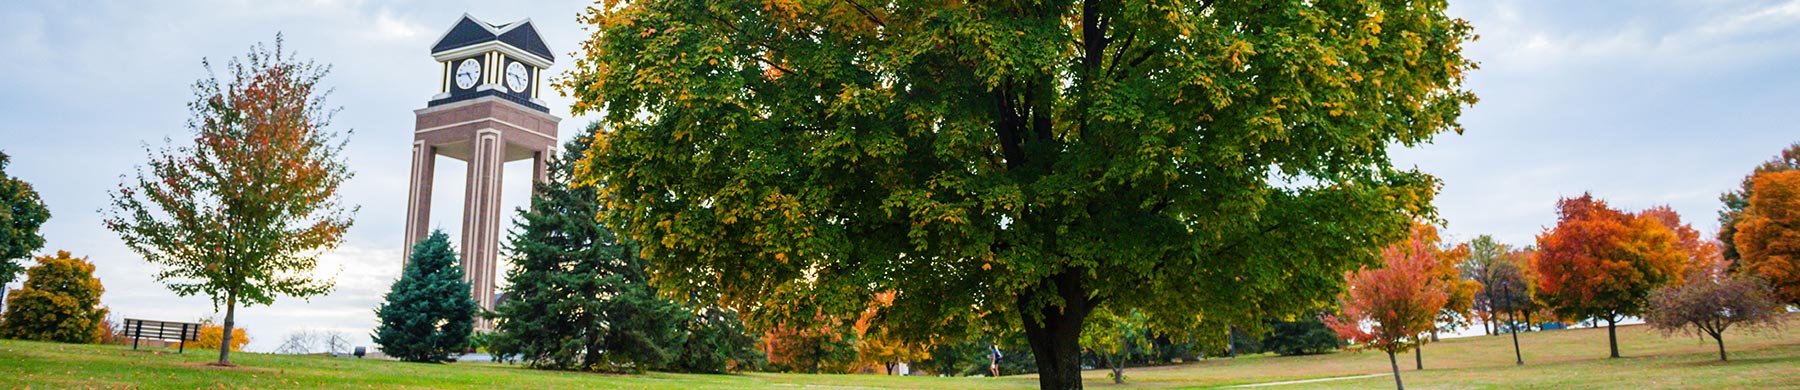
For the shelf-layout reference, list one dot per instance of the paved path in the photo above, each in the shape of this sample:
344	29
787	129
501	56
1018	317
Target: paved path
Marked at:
1310	381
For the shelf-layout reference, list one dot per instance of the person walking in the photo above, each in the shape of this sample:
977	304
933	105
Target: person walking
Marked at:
994	356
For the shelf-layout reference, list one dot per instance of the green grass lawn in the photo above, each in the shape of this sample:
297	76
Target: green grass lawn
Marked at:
1558	359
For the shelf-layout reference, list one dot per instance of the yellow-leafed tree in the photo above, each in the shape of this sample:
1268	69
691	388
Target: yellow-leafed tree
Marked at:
210	335
60	302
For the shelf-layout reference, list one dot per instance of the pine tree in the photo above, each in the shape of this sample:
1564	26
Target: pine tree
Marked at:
428	314
579	298
60	302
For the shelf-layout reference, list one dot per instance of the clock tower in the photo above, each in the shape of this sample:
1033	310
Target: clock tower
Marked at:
487	113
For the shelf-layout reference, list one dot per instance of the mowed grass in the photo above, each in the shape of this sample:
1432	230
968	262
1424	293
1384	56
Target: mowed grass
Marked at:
1556	359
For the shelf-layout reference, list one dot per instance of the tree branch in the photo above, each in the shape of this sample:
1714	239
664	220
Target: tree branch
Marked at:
866	13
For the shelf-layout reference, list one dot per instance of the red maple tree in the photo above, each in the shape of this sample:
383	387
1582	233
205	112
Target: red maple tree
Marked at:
1387	309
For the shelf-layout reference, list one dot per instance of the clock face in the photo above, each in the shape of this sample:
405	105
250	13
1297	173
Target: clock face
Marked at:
467	73
517	77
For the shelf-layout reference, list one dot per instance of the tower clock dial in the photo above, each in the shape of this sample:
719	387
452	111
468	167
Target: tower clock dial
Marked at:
517	77
467	73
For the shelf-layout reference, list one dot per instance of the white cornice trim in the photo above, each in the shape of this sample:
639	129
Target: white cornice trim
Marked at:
495	45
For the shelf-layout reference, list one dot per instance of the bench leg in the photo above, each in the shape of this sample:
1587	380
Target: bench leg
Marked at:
135	336
183	348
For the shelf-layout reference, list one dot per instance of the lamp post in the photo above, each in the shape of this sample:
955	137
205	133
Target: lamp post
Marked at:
1507	297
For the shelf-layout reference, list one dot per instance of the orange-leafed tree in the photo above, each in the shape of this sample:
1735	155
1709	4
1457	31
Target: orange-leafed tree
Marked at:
1738	200
243	213
1458	308
1768	234
1387	309
1602	263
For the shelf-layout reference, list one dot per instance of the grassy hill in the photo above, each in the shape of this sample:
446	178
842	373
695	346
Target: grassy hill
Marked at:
1557	359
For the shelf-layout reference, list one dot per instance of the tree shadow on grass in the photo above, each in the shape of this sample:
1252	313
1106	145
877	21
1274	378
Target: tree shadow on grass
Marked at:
1736	361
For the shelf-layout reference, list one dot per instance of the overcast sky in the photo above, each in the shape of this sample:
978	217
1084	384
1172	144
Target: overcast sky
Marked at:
1642	103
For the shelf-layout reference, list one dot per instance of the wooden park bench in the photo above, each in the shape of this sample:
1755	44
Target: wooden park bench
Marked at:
181	332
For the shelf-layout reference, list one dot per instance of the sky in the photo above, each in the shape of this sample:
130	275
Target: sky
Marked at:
1641	103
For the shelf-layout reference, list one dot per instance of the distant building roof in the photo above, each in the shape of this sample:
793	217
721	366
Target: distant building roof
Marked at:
470	31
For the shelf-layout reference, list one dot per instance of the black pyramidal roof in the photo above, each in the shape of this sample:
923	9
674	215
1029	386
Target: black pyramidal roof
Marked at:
470	31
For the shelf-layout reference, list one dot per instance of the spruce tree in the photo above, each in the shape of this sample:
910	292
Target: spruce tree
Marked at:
428	314
579	297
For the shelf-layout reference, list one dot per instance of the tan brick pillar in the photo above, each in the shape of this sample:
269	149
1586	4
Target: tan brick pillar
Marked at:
418	197
481	216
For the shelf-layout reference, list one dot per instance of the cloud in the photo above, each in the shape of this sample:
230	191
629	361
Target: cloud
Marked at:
390	27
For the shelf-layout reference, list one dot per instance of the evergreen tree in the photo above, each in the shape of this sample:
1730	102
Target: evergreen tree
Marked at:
1305	335
717	342
428	314
573	279
60	302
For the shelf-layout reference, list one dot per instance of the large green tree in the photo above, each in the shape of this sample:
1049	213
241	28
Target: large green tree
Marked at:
21	214
242	214
1017	163
60	302
427	315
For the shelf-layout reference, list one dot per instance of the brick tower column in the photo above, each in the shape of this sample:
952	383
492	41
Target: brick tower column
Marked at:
418	197
481	215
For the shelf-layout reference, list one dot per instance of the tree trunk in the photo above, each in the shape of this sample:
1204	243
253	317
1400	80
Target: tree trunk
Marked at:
1487	325
1396	364
591	358
1612	335
1527	320
1055	336
1419	355
1118	369
230	322
1721	339
818	356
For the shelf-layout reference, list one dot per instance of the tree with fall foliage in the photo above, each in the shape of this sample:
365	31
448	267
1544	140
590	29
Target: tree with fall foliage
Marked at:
213	336
819	346
1602	263
243	213
1738	200
22	212
1114	337
60	302
889	352
1710	302
1459	293
1387	309
1768	233
990	161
